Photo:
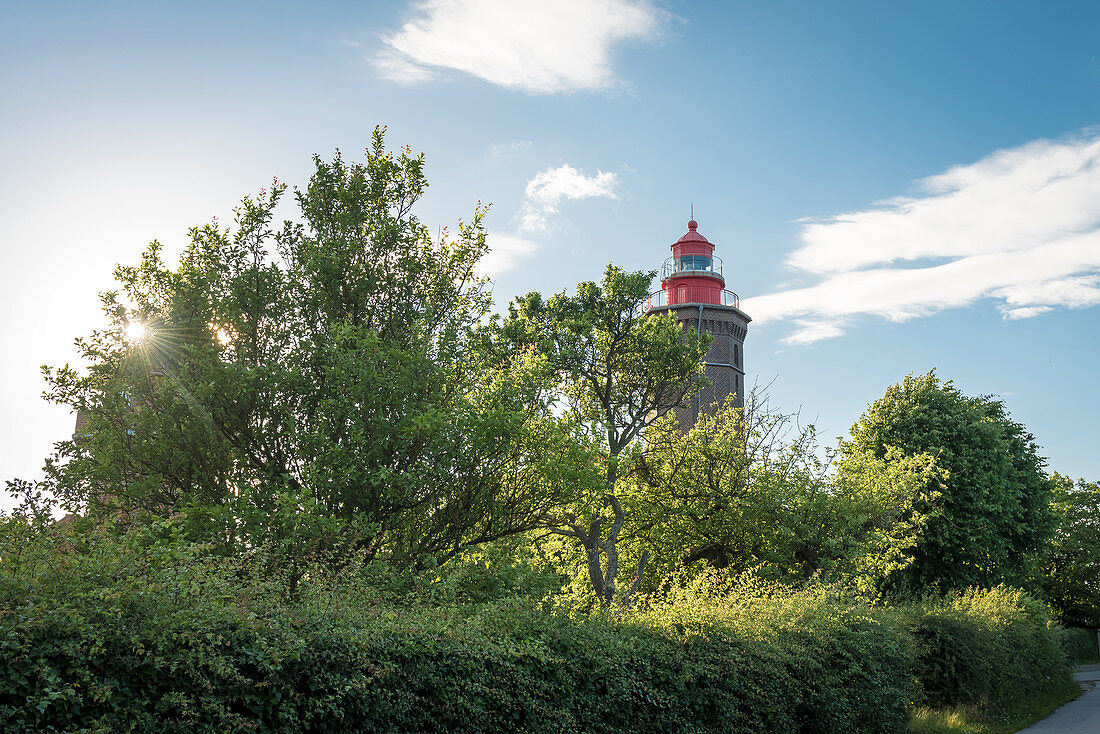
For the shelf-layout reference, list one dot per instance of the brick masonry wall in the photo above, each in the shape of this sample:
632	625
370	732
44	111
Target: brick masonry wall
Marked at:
725	359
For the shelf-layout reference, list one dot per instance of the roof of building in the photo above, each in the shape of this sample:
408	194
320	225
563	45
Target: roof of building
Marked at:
692	235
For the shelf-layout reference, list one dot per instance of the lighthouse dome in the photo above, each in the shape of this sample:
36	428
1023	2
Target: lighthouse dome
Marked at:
692	234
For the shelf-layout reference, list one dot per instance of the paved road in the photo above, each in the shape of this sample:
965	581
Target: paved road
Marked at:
1081	716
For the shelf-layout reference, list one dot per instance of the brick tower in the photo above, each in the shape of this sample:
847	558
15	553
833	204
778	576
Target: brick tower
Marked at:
693	287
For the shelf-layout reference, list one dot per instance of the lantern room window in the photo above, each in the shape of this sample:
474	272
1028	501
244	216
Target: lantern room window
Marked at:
694	262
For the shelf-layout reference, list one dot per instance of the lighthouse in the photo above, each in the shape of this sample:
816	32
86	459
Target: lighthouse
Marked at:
693	287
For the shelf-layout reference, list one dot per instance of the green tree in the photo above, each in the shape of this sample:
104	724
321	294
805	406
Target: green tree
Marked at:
1070	565
613	370
751	490
890	503
334	385
994	505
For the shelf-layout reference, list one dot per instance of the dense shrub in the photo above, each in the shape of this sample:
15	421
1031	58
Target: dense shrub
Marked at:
128	634
508	668
995	650
135	633
845	669
1080	644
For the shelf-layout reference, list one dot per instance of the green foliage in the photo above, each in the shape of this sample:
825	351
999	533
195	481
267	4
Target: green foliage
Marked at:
747	489
847	663
888	504
143	632
996	650
994	505
613	370
333	388
1081	645
736	491
973	720
1071	563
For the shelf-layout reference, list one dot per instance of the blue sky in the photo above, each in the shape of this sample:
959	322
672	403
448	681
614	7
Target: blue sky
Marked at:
893	187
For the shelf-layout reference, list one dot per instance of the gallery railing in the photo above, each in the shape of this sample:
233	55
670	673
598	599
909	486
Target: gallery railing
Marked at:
659	299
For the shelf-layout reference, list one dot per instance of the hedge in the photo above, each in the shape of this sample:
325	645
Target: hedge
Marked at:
134	668
1081	644
104	638
995	650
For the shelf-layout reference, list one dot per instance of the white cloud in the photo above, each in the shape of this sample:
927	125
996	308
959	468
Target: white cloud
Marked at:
397	68
810	331
535	46
1010	200
546	190
1023	301
505	252
1021	226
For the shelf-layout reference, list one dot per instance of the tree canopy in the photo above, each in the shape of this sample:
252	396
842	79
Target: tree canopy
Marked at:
335	383
1069	574
751	490
613	370
994	507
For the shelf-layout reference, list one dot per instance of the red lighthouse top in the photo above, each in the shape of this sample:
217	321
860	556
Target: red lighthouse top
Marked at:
693	274
692	243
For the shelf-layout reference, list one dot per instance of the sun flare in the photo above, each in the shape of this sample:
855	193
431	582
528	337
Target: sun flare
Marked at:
222	334
135	331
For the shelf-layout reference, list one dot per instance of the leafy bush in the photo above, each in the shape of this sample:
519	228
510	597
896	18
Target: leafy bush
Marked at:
846	665
995	650
134	633
142	632
1080	645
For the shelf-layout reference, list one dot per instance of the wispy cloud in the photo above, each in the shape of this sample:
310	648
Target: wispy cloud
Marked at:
497	150
397	68
505	252
547	189
1021	226
534	46
543	195
810	331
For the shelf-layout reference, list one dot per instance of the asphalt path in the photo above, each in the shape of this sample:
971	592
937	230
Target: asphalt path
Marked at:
1080	716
